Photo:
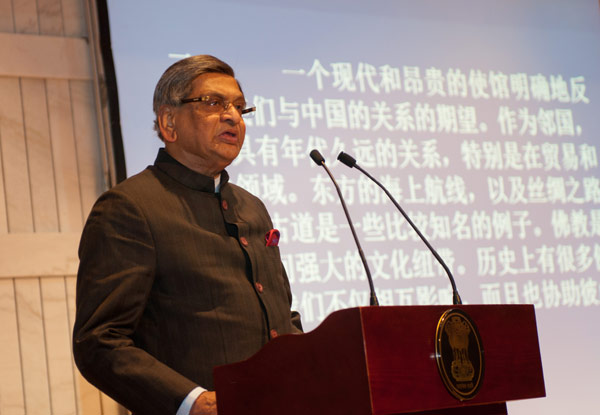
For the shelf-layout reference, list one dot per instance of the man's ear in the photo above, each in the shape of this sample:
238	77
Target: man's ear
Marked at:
166	124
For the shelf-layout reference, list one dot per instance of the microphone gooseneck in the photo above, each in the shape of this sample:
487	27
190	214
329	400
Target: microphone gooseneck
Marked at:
320	160
351	162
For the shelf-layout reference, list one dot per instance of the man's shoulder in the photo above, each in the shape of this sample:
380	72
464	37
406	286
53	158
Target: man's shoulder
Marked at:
140	183
137	189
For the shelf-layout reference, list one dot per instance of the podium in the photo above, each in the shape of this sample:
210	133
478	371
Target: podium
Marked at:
382	360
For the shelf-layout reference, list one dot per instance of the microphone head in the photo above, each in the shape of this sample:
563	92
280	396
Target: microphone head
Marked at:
347	159
317	157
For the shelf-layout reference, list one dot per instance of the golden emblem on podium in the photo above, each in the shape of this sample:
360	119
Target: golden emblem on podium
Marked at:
459	354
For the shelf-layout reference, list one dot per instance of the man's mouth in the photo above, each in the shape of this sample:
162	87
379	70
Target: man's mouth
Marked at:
229	136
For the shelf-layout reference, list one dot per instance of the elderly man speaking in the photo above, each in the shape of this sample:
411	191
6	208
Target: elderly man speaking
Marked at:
176	274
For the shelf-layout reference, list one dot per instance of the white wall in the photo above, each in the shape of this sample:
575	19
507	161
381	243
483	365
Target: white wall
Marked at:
51	171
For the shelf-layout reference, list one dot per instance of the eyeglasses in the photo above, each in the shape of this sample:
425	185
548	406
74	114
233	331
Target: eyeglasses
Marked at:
218	105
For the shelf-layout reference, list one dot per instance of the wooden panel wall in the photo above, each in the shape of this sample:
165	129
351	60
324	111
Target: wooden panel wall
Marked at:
51	172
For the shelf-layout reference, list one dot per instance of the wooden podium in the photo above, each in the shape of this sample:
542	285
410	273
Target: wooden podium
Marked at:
382	360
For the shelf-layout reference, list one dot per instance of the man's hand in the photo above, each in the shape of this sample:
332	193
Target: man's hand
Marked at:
205	404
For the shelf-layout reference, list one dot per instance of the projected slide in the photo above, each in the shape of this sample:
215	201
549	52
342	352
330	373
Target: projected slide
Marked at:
482	120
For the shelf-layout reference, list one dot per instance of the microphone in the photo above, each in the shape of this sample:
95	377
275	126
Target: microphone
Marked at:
320	161
350	161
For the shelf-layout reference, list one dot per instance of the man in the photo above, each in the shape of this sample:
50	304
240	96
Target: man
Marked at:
175	273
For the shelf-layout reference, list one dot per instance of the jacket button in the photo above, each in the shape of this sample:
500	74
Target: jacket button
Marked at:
224	204
259	287
274	333
243	241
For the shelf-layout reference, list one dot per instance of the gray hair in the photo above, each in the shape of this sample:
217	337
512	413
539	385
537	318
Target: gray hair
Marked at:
176	82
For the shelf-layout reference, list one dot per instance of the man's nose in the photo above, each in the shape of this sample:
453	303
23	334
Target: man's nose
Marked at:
230	112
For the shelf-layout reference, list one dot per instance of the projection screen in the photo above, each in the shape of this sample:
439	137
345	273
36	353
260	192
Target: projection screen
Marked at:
481	118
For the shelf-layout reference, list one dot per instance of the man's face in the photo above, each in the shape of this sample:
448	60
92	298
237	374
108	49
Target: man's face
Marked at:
200	139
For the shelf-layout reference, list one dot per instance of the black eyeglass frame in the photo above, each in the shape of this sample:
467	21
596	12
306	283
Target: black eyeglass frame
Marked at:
225	105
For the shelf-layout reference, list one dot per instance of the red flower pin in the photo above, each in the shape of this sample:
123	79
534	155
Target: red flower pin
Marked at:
272	237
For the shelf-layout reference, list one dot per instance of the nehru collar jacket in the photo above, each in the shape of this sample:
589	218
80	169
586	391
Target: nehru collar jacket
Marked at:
175	279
